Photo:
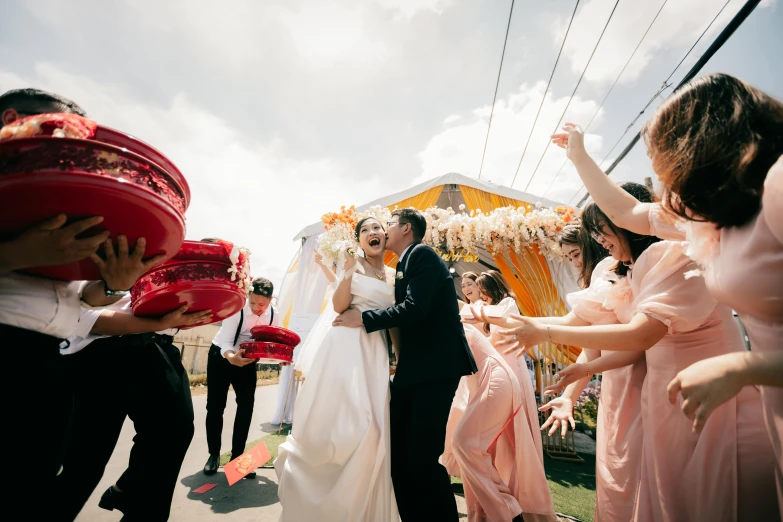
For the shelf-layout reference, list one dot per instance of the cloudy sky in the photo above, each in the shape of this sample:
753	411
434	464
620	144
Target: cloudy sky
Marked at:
280	111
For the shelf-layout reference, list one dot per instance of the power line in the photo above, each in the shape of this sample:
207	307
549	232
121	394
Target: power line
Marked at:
568	29
495	97
721	39
665	85
573	93
611	88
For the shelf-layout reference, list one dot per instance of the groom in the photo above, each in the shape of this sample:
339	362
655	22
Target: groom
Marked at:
434	354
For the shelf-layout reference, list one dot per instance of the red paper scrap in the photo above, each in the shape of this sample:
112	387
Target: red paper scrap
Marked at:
204	488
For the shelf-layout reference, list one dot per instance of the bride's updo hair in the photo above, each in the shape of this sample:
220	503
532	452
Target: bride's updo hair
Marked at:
358	228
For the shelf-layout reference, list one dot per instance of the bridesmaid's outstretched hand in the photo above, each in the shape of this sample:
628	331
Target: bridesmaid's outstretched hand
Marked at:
562	415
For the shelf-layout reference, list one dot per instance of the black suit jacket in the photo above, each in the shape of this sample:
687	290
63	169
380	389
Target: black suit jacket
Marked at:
432	337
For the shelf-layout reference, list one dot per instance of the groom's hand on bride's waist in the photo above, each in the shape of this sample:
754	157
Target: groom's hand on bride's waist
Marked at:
351	318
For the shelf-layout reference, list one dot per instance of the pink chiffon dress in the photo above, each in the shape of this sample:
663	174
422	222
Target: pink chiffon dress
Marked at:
619	432
492	443
724	472
743	269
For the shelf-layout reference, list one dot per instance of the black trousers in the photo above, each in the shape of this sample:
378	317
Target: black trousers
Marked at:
221	374
419	414
36	410
138	376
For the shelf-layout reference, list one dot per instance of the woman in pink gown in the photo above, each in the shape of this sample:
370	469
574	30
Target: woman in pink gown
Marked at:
719	474
495	291
619	431
493	445
737	233
472	294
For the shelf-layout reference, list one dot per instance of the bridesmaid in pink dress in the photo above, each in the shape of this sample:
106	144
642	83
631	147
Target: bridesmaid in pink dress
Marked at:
493	445
739	239
719	474
473	295
619	425
495	291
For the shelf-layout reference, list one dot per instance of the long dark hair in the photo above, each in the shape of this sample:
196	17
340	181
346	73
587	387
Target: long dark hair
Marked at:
492	284
593	221
713	142
592	251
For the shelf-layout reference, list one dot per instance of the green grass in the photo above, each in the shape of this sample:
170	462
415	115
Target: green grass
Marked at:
272	441
572	485
585	422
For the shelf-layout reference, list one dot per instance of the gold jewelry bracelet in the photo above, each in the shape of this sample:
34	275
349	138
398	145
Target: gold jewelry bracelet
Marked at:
548	334
587	367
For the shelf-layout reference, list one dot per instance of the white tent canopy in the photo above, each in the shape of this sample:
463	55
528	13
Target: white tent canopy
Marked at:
451	179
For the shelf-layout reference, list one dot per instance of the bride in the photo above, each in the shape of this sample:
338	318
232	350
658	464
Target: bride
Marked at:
334	466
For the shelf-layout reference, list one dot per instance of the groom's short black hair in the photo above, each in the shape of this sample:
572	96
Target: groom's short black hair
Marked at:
415	219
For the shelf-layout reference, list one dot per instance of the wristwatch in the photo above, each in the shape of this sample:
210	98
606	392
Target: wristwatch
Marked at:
114	293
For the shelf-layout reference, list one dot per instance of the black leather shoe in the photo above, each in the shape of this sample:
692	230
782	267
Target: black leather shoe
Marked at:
251	475
211	467
112	499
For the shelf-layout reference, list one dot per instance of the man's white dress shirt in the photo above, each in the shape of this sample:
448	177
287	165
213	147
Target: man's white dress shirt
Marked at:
228	330
82	336
43	305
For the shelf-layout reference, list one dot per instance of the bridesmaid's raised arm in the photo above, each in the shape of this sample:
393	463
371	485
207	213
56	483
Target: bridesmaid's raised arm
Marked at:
623	209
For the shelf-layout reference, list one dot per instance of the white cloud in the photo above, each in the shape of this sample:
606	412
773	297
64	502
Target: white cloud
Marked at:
243	36
254	194
407	9
331	33
458	147
676	29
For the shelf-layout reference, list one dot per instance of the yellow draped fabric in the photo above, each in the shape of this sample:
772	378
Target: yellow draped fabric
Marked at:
476	199
421	201
526	272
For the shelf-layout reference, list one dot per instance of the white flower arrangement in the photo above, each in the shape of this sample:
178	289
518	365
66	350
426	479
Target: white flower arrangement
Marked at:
503	229
240	267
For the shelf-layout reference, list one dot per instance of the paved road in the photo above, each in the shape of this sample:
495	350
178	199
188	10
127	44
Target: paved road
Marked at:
246	501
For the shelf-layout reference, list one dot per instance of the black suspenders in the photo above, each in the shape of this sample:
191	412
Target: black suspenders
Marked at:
239	328
242	320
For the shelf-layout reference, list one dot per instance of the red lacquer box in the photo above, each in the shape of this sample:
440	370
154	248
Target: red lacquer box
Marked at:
199	275
134	187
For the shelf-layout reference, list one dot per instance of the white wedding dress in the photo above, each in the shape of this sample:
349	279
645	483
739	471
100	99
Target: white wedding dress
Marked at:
334	466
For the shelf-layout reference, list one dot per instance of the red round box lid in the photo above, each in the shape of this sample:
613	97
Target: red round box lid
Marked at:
275	334
43	176
135	145
198	276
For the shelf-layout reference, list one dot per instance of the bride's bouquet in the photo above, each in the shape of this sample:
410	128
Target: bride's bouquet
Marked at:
338	237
